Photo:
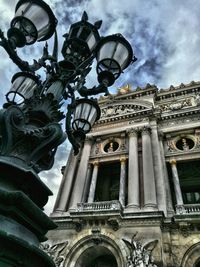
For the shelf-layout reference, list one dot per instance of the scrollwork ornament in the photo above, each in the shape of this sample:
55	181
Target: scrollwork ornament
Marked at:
27	140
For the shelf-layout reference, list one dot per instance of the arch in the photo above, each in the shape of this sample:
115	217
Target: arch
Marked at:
191	257
94	247
96	257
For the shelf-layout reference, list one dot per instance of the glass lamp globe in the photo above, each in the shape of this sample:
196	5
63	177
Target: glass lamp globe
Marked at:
23	86
33	21
114	54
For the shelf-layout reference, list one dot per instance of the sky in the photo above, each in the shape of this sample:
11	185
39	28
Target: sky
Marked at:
164	35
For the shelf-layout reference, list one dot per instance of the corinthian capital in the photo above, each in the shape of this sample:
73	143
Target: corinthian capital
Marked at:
132	132
146	130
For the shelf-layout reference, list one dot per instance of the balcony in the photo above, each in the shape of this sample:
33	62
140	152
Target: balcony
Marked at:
98	208
188	209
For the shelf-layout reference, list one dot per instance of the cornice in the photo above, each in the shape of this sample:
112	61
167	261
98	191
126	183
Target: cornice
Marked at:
180	113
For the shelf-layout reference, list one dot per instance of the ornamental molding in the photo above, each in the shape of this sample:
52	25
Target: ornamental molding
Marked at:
180	113
122	109
178	121
178	104
171	147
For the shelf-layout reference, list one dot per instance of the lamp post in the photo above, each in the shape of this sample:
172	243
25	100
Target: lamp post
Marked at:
30	128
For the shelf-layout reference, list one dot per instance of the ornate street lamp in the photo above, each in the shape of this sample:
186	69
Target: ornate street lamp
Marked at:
30	131
23	86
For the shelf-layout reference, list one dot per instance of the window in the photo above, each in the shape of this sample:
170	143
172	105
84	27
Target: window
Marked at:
189	176
108	182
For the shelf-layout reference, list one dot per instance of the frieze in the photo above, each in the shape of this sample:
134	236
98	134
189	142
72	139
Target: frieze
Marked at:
119	110
172	123
176	105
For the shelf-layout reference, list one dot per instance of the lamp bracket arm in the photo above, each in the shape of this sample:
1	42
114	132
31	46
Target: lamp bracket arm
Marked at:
10	49
46	56
72	140
101	88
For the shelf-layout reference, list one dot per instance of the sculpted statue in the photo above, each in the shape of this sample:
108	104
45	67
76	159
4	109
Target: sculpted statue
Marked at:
55	252
140	255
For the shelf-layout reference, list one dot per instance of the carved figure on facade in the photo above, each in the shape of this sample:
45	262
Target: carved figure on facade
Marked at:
55	252
140	255
119	110
197	141
197	99
124	89
171	146
185	146
177	105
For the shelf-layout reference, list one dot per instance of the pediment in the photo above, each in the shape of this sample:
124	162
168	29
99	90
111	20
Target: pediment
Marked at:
124	108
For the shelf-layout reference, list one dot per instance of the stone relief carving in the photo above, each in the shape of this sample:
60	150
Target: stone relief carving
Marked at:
119	110
197	99
177	105
182	144
171	146
174	122
55	252
140	255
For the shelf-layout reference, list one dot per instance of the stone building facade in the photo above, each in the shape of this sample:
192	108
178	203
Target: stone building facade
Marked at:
132	195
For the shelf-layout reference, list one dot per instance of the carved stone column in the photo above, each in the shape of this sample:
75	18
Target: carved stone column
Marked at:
93	182
62	200
158	170
148	171
133	170
87	183
176	182
81	174
122	186
170	209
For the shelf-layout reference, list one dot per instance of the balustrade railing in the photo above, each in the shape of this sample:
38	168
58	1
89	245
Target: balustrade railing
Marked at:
99	206
188	209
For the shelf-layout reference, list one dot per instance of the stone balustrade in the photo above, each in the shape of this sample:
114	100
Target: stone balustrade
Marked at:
188	209
99	206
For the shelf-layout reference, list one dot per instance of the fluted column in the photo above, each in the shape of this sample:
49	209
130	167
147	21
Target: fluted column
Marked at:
93	182
158	170
62	200
87	183
176	182
122	186
148	171
81	176
133	170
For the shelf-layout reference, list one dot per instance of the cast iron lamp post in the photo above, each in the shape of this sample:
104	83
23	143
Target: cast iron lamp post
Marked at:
29	121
